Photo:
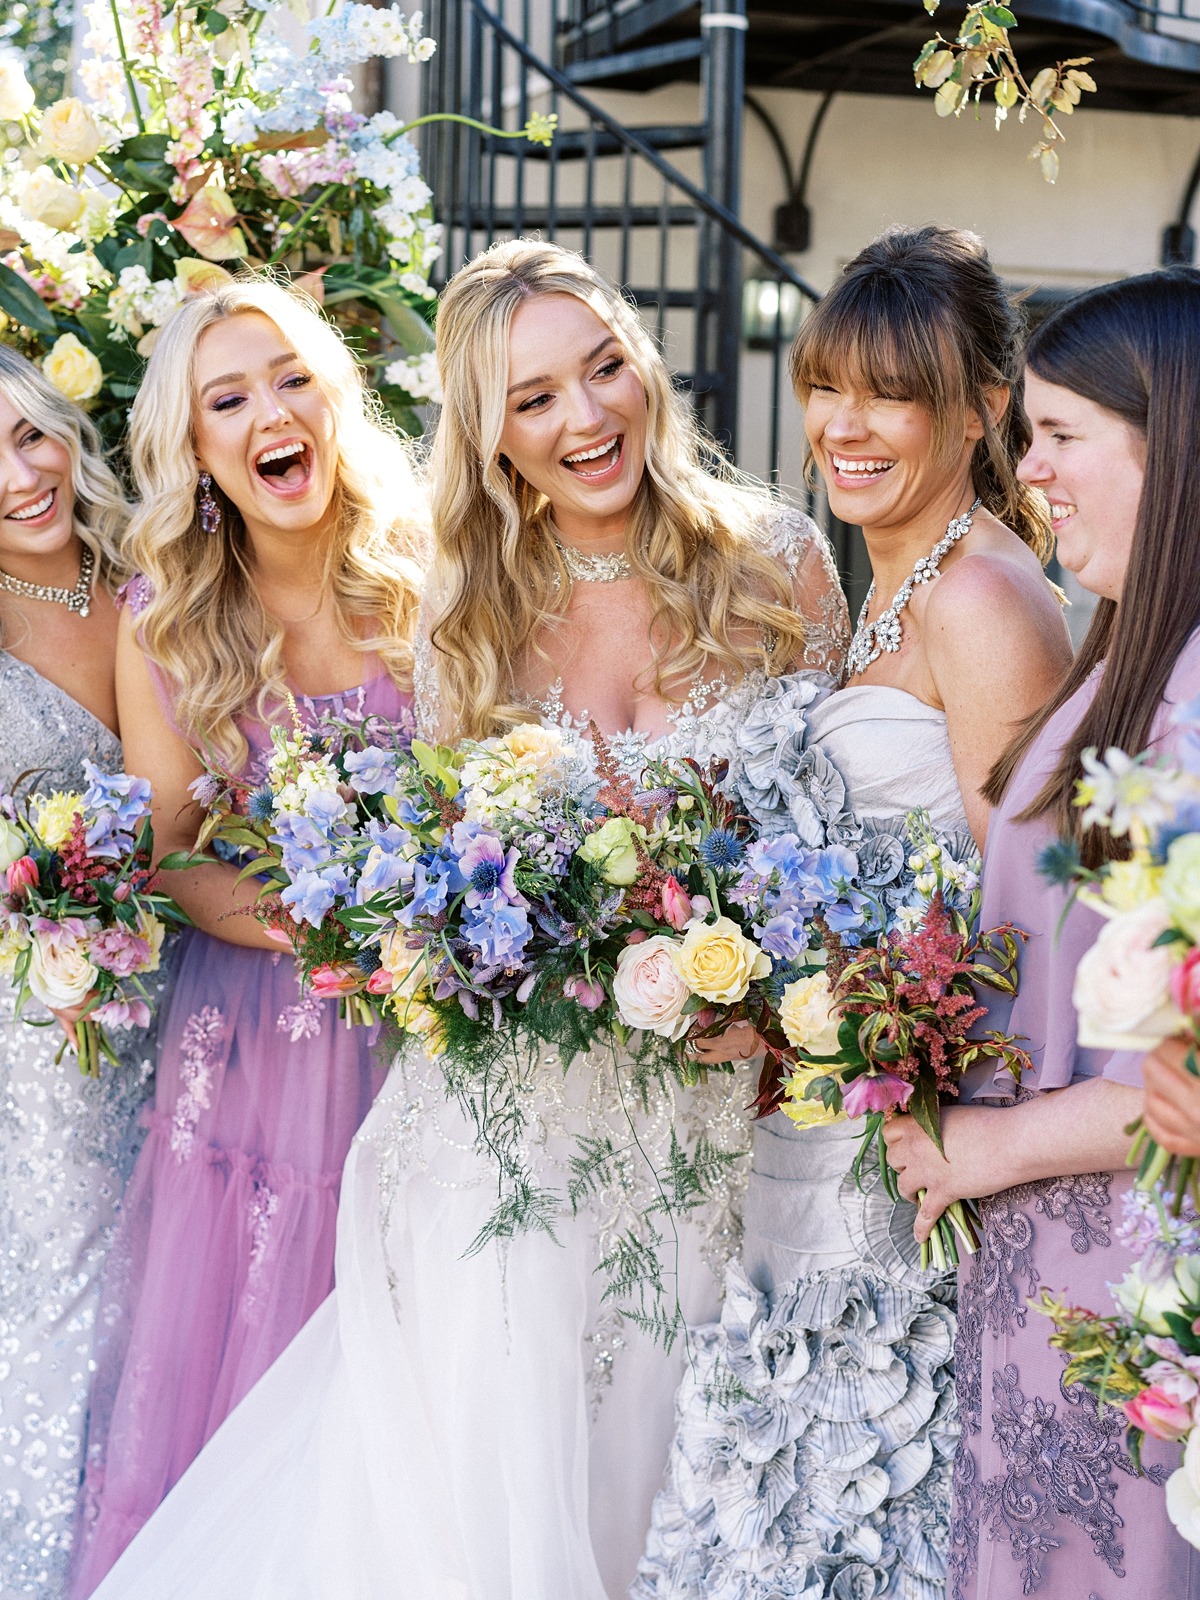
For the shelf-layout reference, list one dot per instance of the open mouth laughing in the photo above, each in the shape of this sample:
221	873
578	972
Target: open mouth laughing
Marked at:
600	460
285	468
854	471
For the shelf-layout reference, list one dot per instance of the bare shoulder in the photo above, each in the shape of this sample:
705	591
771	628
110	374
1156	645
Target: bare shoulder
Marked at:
990	594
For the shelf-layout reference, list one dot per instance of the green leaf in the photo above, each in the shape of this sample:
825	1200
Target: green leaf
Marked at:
924	1108
181	860
23	305
1000	15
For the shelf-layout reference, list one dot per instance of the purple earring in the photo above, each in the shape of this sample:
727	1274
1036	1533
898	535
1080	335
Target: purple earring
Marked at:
210	509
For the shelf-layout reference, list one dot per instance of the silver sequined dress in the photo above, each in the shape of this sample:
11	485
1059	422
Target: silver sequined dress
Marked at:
66	1147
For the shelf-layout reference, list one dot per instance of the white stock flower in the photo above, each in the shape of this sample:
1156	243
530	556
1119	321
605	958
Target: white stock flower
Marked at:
418	375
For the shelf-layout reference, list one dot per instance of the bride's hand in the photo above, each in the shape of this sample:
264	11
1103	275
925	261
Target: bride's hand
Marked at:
966	1171
69	1016
738	1042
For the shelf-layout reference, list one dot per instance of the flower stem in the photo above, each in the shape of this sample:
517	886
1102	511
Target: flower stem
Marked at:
125	66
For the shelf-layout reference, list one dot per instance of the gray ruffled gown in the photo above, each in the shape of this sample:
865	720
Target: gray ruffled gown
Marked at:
817	1422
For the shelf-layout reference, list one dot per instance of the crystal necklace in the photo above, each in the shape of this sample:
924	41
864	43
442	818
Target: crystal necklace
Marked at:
78	599
871	639
593	569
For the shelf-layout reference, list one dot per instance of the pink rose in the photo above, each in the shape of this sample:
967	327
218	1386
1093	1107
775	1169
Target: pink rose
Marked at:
875	1091
1159	1413
22	876
335	979
590	995
1185	980
1121	984
60	974
121	1014
648	990
676	904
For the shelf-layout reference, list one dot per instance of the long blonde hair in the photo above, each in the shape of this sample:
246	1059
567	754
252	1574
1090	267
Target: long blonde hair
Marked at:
101	513
204	626
694	534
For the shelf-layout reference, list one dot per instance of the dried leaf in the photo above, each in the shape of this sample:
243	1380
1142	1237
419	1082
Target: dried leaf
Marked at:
1043	86
949	99
938	68
1083	79
1007	93
1048	160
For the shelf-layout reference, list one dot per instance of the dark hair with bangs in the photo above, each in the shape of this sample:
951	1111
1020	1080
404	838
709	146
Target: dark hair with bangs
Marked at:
1133	348
921	315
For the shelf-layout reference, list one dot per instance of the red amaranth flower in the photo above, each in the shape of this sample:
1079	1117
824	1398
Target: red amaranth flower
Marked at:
78	869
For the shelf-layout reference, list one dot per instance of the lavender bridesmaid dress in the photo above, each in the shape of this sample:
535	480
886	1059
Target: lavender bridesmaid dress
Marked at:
226	1244
1046	1500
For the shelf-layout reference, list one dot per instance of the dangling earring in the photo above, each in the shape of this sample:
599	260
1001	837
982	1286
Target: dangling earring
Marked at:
210	508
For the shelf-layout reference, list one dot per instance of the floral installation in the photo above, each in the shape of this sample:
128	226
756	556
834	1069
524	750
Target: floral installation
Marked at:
83	922
890	1019
210	137
979	57
1144	1360
1140	982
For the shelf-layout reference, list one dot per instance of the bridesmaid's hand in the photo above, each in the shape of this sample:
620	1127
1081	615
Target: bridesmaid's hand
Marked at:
967	1170
738	1042
1172	1109
69	1016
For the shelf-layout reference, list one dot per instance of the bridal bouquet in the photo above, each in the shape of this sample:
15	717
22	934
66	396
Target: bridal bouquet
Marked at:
1145	1359
83	922
1140	981
890	1020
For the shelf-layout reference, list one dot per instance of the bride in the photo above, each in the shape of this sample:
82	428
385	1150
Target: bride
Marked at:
453	1427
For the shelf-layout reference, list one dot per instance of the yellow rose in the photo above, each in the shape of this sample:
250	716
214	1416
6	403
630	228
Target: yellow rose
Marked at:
49	200
152	930
53	816
533	742
70	133
807	1017
806	1113
196	275
16	97
404	965
612	849
1129	884
73	369
718	962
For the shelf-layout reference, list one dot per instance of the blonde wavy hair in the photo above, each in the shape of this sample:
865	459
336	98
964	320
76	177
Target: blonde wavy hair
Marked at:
694	535
204	625
101	512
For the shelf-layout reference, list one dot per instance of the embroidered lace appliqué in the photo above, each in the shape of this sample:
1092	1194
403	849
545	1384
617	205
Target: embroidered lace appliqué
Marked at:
198	1048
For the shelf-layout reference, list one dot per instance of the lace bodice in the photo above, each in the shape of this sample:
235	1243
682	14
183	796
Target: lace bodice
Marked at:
703	726
46	733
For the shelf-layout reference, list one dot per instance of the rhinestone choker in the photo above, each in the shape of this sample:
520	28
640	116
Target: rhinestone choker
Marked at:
871	639
77	600
593	569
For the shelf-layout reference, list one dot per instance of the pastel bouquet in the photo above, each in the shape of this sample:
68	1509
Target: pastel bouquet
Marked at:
83	922
1143	1359
888	1018
304	834
1140	981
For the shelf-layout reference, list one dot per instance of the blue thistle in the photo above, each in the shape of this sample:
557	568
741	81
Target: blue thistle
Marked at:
261	805
721	848
368	960
1059	862
486	878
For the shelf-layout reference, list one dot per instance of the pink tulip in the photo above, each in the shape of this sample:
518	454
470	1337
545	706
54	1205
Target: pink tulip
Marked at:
875	1091
1185	983
1157	1412
332	980
122	891
381	981
22	876
589	995
676	904
279	936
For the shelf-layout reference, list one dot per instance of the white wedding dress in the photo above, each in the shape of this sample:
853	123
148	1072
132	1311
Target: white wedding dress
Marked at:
453	1427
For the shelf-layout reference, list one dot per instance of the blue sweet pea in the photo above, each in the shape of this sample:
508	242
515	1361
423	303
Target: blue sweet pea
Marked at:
125	798
499	931
303	845
371	771
310	896
785	936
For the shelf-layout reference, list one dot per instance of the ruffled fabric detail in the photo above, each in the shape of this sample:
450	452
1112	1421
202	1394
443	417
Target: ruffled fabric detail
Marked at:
813	1448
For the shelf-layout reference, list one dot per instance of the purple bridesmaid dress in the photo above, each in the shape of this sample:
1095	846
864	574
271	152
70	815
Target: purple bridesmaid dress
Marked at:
1046	1500
227	1239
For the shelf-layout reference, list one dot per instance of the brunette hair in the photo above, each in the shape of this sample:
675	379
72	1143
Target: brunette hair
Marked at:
921	315
1132	347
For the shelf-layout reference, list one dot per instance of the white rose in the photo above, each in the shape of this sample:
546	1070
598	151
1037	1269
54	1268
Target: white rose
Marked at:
807	1017
49	200
1121	985
648	990
60	974
1149	1299
16	96
12	843
1183	1492
70	133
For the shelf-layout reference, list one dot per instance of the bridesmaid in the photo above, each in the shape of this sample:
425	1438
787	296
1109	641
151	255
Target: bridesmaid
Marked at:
67	1142
270	548
1047	1502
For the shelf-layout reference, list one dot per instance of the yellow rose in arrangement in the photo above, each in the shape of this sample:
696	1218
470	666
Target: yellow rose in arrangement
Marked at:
404	965
53	815
70	133
532	743
807	1017
153	931
806	1113
48	199
1181	884
718	962
1129	884
16	95
612	849
73	369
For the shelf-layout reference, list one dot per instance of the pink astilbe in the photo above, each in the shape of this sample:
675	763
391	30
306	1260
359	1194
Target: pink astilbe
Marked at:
79	869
